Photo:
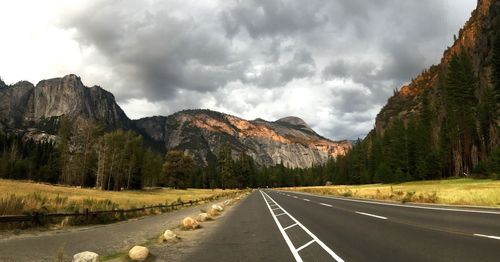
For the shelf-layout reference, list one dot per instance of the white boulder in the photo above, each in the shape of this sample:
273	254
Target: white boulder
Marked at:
189	223
169	235
86	256
138	253
202	217
217	207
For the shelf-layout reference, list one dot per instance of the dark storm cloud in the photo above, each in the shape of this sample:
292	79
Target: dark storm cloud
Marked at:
161	48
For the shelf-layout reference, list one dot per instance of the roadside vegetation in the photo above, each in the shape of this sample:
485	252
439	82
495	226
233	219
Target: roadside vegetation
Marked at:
18	197
474	192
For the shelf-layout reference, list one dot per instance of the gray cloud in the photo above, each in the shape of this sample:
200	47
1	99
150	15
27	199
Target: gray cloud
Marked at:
241	56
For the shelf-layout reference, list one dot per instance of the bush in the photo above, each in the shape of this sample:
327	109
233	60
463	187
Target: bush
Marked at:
408	197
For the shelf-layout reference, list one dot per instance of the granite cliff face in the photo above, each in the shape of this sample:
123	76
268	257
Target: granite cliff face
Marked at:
288	141
24	105
30	109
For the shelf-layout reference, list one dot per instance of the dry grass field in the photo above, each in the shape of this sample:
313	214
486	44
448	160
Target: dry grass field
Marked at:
18	197
473	192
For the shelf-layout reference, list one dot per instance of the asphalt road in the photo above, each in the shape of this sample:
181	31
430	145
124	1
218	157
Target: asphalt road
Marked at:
284	226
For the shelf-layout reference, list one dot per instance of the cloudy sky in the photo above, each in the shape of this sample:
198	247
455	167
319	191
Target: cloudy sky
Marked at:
333	63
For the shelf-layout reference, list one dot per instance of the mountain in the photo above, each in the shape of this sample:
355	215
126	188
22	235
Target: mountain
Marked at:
35	111
288	141
454	103
24	105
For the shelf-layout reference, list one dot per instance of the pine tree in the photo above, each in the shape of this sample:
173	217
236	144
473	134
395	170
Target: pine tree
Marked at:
495	70
177	169
225	165
461	107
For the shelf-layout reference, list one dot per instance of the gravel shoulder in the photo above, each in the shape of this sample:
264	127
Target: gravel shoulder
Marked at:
104	239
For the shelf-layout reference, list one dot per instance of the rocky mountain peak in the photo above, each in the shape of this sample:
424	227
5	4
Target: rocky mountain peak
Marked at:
26	105
293	120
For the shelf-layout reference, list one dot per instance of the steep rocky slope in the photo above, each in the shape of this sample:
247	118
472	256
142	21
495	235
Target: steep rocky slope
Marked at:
288	141
476	38
461	136
24	105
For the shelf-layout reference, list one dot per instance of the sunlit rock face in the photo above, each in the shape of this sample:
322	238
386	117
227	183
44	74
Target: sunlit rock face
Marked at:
288	141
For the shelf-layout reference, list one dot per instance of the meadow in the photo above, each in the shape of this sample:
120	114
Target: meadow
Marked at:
468	192
18	197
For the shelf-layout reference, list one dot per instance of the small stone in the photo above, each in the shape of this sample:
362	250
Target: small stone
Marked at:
169	235
202	217
86	256
213	212
138	253
217	207
189	223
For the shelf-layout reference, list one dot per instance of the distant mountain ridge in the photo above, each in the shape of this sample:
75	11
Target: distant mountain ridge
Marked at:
288	141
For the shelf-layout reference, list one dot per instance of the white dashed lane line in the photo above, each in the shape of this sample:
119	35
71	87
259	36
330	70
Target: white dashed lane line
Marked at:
487	236
371	215
326	205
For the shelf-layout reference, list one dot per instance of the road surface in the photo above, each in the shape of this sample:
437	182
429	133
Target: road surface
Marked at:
284	226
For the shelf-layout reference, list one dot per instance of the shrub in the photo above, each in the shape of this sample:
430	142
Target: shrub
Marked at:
408	197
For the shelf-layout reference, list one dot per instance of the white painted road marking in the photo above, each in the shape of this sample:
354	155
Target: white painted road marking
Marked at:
305	245
399	205
492	237
294	251
326	205
305	199
288	227
370	215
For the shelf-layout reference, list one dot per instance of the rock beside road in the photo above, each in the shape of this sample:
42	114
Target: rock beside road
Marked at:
168	235
213	212
202	217
86	256
138	253
189	223
217	207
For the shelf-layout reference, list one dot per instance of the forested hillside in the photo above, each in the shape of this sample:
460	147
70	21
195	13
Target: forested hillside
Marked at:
445	123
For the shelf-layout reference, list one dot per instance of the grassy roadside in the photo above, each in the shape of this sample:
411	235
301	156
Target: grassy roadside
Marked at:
17	197
474	192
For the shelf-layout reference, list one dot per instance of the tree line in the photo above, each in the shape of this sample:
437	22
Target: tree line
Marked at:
86	156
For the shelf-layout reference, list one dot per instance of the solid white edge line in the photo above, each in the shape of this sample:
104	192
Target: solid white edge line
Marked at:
285	236
305	245
327	205
486	236
325	247
370	215
290	226
399	205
